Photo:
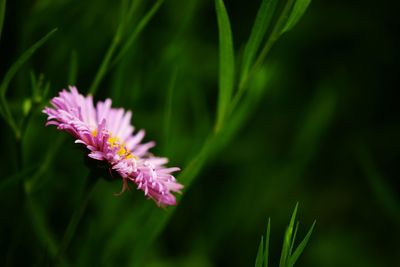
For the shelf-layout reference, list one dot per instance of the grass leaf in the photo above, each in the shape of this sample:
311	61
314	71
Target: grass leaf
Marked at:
261	24
168	110
288	240
300	6
276	31
136	32
267	238
259	258
384	193
11	73
226	63
293	239
300	248
108	60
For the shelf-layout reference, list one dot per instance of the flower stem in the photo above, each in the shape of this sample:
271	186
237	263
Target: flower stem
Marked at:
77	215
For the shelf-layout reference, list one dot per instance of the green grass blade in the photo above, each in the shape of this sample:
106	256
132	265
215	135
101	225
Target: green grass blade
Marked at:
275	32
73	68
317	120
267	238
104	67
108	61
261	24
299	8
2	14
288	240
35	182
136	32
293	239
259	258
168	111
226	63
300	248
11	73
382	190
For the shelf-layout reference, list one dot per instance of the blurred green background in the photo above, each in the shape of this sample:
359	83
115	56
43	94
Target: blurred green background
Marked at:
325	133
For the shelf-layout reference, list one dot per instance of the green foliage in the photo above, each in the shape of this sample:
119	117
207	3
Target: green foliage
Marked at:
291	112
299	7
120	34
261	24
226	63
288	259
384	193
4	107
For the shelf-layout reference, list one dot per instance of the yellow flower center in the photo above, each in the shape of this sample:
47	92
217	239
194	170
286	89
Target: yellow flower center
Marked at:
114	142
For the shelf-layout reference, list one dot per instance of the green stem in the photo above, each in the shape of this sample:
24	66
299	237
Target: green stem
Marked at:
106	62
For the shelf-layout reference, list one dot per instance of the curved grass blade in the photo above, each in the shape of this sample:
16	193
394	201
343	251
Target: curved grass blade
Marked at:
2	14
261	24
300	248
226	63
299	8
11	73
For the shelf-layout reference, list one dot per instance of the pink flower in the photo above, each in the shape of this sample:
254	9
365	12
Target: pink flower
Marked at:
108	135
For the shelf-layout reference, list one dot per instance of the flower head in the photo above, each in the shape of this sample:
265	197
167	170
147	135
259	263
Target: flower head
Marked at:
109	137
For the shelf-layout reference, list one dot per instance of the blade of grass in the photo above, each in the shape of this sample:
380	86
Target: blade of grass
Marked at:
259	258
261	24
108	61
168	111
104	66
226	63
275	32
73	68
274	35
137	31
2	14
11	73
267	238
299	8
300	248
319	115
293	239
34	183
383	192
288	240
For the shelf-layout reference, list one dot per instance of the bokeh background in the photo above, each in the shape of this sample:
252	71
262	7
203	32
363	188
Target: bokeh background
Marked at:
325	134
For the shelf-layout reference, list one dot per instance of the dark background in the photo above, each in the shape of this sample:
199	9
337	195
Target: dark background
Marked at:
325	133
